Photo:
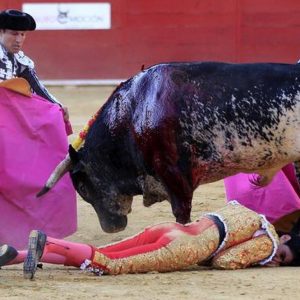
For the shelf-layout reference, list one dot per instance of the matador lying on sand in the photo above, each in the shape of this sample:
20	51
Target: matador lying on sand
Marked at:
233	237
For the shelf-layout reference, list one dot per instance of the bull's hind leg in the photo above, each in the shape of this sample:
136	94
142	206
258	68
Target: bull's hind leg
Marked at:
265	177
297	169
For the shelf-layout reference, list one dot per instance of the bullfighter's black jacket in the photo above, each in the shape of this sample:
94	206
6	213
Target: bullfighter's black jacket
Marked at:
19	65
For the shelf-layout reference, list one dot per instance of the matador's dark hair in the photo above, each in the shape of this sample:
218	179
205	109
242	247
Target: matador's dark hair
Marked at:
294	244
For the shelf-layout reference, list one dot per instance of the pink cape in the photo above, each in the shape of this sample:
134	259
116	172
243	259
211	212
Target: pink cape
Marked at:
33	141
278	199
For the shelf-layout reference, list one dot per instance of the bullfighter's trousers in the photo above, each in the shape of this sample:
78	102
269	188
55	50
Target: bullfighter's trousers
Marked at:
247	239
233	237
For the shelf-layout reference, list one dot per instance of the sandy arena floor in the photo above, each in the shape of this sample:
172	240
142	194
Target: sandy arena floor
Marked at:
58	282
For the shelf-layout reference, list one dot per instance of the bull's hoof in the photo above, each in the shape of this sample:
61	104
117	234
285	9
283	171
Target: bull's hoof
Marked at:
183	220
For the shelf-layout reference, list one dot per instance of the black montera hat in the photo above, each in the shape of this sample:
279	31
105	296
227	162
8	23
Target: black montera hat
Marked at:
16	20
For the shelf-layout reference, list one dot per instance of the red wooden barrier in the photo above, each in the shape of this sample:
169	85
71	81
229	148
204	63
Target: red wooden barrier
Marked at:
148	32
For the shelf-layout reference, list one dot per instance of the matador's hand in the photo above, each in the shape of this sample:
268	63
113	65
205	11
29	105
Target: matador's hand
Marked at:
66	113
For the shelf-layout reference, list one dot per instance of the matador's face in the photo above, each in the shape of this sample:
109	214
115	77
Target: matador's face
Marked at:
12	40
284	255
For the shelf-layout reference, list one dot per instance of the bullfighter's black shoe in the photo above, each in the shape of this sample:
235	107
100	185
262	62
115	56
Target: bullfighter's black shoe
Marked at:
36	245
7	253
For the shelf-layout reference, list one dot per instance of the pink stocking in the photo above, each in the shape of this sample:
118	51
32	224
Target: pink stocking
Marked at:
68	253
60	252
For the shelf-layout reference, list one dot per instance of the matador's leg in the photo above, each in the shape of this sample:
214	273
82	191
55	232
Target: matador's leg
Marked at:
59	251
65	252
177	248
149	238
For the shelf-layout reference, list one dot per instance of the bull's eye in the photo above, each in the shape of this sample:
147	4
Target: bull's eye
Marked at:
82	189
117	206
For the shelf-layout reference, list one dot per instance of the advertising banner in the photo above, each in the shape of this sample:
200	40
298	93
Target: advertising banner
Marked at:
73	16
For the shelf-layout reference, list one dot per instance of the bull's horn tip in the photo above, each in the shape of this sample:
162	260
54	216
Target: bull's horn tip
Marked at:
43	191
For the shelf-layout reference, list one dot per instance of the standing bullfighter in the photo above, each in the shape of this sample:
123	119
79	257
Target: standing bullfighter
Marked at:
33	140
14	25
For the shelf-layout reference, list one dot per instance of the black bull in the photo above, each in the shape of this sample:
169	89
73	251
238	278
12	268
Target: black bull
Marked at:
175	126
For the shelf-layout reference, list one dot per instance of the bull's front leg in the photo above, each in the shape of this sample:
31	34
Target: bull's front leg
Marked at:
180	193
173	168
181	208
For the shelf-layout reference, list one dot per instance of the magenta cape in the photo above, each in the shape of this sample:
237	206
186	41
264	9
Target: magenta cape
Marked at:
33	141
278	199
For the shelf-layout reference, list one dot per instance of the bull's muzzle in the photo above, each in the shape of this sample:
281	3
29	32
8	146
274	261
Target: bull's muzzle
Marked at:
112	223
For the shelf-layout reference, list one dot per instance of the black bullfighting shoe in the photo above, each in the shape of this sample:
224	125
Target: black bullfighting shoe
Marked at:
36	245
7	253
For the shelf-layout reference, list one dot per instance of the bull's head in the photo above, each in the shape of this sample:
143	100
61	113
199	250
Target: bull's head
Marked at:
108	200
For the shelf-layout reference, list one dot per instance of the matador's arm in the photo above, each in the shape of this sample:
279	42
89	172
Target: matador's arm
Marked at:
245	254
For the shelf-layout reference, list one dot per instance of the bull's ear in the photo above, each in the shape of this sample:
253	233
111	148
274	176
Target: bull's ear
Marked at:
73	155
78	165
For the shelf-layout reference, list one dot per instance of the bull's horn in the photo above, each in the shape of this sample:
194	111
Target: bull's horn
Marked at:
62	168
